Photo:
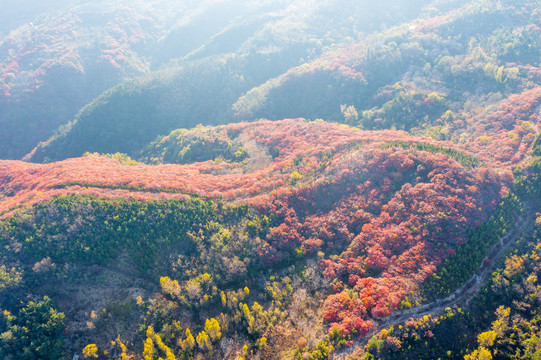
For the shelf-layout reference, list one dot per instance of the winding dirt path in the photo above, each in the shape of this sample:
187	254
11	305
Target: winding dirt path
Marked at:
460	297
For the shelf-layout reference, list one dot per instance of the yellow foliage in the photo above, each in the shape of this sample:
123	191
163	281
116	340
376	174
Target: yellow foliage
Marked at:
168	353
486	338
171	287
262	342
150	332
223	320
501	325
513	266
123	355
433	96
189	343
148	349
90	351
256	308
203	341
479	354
224	299
246	311
212	328
527	126
483	139
513	136
294	177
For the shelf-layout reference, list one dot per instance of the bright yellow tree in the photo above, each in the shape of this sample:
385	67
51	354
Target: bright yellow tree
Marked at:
189	343
90	351
203	341
212	328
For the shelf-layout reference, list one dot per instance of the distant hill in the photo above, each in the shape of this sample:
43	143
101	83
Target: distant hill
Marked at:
54	62
57	61
427	76
466	58
132	114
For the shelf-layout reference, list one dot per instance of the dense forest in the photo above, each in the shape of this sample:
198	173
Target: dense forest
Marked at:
270	180
54	62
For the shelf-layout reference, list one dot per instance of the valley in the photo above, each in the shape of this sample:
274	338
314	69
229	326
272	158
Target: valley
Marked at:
270	180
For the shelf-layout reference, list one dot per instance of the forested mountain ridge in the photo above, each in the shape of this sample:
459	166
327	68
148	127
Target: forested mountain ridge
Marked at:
282	145
475	51
428	77
396	168
54	62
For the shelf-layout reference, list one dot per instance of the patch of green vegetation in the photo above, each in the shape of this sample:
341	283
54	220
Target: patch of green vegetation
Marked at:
122	158
33	332
90	230
184	146
466	160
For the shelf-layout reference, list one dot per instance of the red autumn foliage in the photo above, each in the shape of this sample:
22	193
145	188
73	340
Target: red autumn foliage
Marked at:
502	136
392	214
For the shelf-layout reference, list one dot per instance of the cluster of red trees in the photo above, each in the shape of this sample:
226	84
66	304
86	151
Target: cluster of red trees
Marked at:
28	47
57	43
307	148
393	215
390	214
120	38
502	136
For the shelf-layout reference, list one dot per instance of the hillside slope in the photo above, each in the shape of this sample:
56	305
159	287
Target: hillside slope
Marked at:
260	44
379	211
429	77
54	62
469	57
168	219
